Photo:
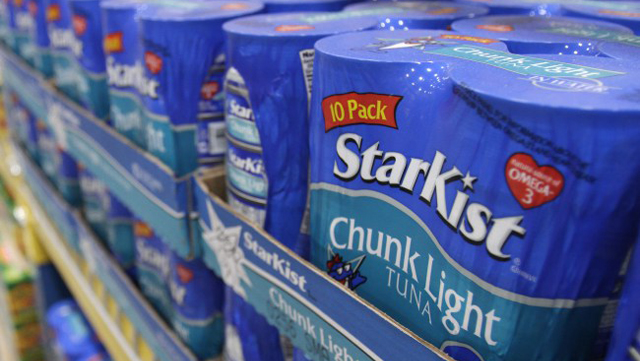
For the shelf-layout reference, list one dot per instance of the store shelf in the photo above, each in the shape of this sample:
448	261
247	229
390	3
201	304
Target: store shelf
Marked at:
68	265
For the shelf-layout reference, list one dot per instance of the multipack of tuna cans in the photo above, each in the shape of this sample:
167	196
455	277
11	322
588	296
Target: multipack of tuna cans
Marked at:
467	167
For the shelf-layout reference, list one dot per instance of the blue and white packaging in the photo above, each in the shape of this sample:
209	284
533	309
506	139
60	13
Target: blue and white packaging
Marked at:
68	179
267	112
625	340
242	342
453	189
4	22
178	68
124	67
405	15
626	13
120	238
74	338
63	47
197	296
42	54
24	124
47	151
23	33
621	47
544	35
92	80
153	269
292	6
520	7
94	201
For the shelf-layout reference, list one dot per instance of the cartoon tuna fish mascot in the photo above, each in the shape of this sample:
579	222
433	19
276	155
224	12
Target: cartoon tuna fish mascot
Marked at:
345	272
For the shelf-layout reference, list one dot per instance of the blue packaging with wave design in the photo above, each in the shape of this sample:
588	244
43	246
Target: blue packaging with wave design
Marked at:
63	47
186	79
24	30
120	238
520	7
124	68
290	6
197	296
68	180
625	340
544	35
94	201
405	15
42	55
626	13
153	269
92	80
483	199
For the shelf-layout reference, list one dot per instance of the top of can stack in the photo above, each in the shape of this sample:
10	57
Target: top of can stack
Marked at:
280	6
174	10
626	13
520	7
412	46
527	34
418	14
300	24
582	83
123	4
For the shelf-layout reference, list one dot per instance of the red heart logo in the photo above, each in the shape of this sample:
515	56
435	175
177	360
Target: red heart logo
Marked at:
184	274
209	90
153	62
79	24
530	184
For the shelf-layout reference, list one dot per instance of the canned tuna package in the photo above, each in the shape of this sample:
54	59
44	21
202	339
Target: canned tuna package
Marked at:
74	337
621	47
94	201
68	181
120	238
152	269
267	111
47	151
42	54
10	19
242	342
405	15
625	13
521	7
453	189
625	340
545	35
24	125
4	22
185	78
92	80
198	297
124	68
64	46
22	35
291	6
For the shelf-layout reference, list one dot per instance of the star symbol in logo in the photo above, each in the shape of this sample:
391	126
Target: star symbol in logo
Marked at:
225	244
468	181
